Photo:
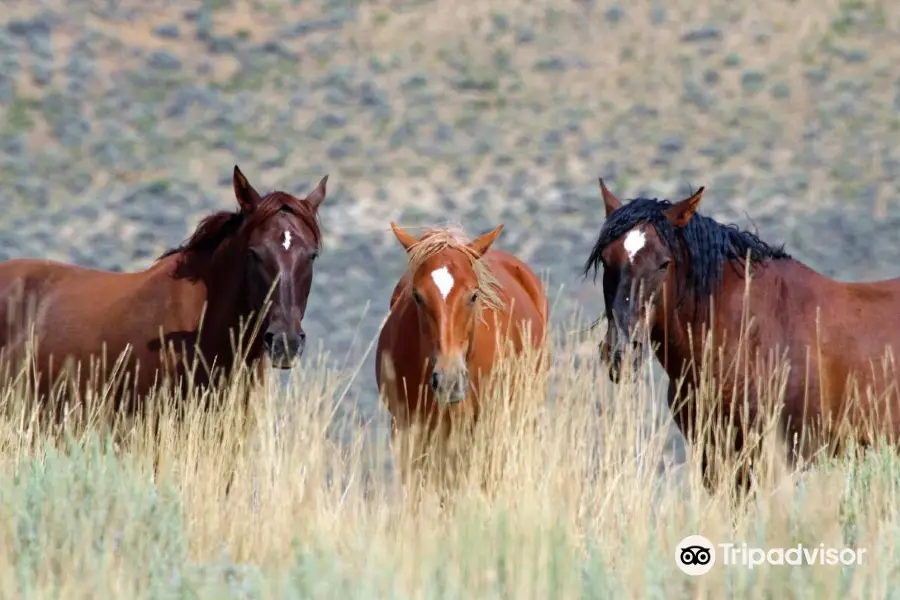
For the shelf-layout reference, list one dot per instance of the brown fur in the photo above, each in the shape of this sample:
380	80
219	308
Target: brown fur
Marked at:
508	294
156	314
830	332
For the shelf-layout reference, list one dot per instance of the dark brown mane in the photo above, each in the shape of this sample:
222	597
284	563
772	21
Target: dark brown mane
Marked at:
218	227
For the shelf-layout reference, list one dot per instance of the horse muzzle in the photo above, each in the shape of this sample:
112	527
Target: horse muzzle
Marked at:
614	359
284	348
449	387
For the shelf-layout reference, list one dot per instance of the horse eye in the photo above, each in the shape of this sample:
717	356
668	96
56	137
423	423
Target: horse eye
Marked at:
314	255
664	265
473	298
416	297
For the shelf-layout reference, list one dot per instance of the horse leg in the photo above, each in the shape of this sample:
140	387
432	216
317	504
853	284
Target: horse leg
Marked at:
411	459
709	447
685	420
243	432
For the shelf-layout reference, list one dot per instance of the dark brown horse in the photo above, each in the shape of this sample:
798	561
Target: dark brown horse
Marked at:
668	270
219	278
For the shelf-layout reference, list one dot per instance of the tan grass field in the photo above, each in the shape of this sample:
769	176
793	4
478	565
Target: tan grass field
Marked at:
580	506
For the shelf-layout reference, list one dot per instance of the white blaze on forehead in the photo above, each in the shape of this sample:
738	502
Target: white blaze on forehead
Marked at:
287	240
634	241
443	280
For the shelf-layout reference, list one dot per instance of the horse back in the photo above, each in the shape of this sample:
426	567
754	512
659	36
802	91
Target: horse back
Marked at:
853	318
519	284
835	335
31	271
24	280
38	276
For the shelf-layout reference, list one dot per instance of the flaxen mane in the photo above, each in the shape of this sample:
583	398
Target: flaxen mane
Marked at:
436	240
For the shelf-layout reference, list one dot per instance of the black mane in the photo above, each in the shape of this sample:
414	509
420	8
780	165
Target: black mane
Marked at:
707	243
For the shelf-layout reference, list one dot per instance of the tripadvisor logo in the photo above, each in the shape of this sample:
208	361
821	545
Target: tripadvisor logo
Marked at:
695	555
732	554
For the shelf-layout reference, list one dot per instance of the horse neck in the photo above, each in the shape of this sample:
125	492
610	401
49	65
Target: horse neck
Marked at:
225	280
682	330
678	333
681	323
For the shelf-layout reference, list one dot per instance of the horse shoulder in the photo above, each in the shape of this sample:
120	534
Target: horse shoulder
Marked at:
397	357
528	280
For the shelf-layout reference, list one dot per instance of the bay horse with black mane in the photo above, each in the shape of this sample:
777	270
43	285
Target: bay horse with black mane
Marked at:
675	276
220	278
459	308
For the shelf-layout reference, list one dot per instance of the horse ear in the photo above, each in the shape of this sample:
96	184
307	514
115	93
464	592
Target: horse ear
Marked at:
681	212
609	199
481	244
247	197
318	194
406	240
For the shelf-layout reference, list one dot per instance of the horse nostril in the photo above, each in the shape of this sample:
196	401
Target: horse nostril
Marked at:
434	381
302	337
462	385
614	374
268	338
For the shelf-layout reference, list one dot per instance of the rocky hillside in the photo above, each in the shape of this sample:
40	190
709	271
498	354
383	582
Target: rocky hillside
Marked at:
120	122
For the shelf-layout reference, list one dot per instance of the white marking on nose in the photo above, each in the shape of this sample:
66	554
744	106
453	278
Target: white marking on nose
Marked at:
443	280
287	240
634	241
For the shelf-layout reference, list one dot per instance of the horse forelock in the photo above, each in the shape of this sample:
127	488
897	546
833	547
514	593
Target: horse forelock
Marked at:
436	240
276	202
700	249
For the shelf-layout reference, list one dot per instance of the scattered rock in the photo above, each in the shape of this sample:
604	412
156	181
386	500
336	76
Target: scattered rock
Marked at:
163	60
703	34
309	26
167	31
554	63
614	14
752	81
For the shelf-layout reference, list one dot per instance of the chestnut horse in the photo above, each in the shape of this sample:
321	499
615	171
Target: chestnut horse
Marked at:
664	274
451	316
220	278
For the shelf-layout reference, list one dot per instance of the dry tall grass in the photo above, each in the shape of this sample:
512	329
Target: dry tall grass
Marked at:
583	505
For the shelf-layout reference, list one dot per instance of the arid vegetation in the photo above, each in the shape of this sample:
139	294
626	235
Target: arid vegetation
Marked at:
582	506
